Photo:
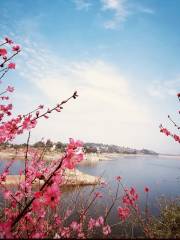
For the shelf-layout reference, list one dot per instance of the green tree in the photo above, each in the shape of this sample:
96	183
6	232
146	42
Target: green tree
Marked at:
39	144
60	146
49	144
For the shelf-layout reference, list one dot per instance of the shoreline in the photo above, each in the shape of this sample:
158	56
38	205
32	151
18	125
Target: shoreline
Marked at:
89	157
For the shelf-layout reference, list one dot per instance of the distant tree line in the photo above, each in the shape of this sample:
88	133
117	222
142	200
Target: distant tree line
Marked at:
88	147
57	146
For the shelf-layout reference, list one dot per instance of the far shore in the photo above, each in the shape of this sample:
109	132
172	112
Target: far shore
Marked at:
75	177
89	157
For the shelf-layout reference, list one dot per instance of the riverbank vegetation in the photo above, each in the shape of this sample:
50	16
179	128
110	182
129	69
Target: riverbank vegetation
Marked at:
167	223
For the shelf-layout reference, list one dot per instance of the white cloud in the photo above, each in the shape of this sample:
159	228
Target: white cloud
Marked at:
119	9
82	4
111	4
106	110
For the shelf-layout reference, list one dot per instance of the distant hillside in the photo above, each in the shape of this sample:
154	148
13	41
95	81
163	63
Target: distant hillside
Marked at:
89	147
106	148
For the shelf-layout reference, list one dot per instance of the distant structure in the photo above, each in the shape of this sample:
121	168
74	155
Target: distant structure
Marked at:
53	148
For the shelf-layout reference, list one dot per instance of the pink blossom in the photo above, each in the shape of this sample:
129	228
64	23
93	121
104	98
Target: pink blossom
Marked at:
146	189
41	106
123	213
106	230
91	224
18	196
37	235
176	138
16	48
5	110
97	224
98	195
5	230
11	65
74	144
132	191
4	175
68	213
74	225
37	204
52	196
81	235
29	123
58	109
127	200
8	40
57	220
3	51
7	194
134	194
101	220
104	184
165	131
38	194
118	178
58	178
74	154
45	116
130	197
65	233
10	89
5	98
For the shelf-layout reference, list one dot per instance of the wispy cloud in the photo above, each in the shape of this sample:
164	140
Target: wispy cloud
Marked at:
82	4
119	10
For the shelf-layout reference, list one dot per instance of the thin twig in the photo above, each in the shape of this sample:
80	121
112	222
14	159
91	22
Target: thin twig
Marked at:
112	205
25	164
6	60
175	124
3	44
3	69
4	73
85	211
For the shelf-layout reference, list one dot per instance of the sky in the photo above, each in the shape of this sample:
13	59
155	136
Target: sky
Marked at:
122	56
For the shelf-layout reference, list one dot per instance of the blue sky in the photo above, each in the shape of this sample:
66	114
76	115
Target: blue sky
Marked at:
122	56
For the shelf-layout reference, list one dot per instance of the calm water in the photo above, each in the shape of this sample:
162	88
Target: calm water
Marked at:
160	174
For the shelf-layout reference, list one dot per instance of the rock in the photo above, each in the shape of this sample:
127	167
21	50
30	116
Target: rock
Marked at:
71	178
75	177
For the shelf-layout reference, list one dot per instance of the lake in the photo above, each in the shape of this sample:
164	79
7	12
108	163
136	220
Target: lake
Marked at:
161	174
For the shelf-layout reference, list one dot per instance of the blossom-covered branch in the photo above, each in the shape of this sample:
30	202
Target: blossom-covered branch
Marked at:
164	130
